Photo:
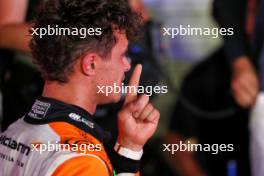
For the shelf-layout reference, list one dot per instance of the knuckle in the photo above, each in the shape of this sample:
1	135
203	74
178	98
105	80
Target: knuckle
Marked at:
155	112
150	106
158	113
138	105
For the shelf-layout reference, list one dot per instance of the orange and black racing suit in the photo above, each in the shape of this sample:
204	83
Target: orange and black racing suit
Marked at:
55	138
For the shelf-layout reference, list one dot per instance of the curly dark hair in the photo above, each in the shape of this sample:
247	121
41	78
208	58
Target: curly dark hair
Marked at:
55	55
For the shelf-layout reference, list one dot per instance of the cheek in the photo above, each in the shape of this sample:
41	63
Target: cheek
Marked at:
111	74
118	66
113	71
103	75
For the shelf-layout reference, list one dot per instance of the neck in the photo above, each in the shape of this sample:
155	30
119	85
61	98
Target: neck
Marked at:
71	94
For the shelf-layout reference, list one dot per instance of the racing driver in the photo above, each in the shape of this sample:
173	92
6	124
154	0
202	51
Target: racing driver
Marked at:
49	139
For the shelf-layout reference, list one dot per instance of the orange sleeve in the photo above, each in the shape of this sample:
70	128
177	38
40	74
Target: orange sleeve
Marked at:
82	166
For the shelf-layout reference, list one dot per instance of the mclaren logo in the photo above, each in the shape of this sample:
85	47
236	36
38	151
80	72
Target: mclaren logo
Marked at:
15	145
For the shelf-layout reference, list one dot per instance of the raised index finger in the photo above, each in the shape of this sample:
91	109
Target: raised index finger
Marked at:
133	82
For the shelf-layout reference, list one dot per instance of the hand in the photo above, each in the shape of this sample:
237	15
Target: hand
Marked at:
138	119
245	84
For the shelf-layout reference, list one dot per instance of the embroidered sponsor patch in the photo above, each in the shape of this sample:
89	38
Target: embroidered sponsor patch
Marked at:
39	109
78	118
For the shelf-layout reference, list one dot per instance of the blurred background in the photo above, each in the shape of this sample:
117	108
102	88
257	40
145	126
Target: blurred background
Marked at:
199	106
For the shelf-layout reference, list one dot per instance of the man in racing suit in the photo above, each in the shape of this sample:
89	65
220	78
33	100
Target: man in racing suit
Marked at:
58	136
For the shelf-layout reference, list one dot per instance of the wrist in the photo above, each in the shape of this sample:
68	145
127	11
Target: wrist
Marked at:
129	145
128	153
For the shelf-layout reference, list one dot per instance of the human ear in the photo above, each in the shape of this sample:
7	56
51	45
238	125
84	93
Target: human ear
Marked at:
88	64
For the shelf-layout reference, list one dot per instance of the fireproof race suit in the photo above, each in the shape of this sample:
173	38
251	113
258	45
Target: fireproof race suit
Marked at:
56	138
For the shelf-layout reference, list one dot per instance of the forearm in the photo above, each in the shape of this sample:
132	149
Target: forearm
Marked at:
15	36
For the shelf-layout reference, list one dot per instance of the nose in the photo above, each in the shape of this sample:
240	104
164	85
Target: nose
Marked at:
127	64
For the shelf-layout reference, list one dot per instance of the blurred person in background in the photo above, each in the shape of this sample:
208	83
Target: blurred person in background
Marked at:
210	81
205	112
14	30
244	50
20	81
